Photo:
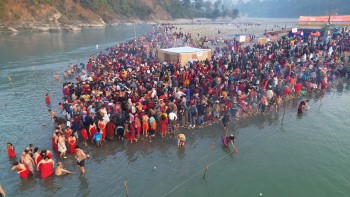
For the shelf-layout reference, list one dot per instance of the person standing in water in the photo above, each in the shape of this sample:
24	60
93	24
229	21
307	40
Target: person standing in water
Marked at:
225	120
302	106
62	149
230	140
2	192
22	169
60	170
45	167
11	150
28	160
47	99
80	156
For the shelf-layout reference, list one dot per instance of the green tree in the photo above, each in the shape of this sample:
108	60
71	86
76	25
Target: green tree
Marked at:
199	4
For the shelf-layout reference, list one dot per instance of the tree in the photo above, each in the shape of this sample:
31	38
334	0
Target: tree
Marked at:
235	13
198	4
186	3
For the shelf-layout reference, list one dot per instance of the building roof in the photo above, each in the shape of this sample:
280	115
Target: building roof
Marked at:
333	19
184	50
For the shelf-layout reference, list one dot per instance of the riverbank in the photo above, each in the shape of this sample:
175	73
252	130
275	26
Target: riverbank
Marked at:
225	24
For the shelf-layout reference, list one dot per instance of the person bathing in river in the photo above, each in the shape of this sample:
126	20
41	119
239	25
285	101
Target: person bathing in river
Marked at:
230	140
80	156
11	150
302	106
60	170
181	140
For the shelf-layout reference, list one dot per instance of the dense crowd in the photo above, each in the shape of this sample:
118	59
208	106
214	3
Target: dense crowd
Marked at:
127	92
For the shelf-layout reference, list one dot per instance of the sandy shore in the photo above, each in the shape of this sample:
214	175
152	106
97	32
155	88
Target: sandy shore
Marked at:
229	27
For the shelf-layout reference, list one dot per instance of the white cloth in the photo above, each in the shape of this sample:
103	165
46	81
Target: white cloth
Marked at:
172	116
62	148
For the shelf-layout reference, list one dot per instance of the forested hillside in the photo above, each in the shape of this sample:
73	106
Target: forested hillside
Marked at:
66	12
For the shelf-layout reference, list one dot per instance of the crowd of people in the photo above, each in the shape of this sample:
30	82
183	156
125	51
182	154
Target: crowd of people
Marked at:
127	93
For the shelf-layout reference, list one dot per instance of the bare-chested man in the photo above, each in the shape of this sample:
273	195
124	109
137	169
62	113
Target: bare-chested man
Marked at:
80	156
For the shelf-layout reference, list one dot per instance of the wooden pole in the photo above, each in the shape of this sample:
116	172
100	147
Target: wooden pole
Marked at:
207	166
126	189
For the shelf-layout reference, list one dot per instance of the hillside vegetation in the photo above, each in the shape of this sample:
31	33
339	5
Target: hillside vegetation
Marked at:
58	13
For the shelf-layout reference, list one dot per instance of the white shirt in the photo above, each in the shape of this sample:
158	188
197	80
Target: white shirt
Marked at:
172	116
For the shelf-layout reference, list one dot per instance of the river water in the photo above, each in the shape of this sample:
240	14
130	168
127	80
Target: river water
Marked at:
305	156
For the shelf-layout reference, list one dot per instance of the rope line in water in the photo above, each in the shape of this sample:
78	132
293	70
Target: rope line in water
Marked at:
219	159
214	162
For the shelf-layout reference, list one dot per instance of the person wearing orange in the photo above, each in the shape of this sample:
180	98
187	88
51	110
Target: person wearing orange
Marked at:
145	119
11	150
72	142
163	126
45	167
102	126
22	169
137	125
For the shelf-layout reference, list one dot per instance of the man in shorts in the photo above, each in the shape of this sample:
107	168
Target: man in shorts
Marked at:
80	156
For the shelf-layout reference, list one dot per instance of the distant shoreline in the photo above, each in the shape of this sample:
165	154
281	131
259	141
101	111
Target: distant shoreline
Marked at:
75	27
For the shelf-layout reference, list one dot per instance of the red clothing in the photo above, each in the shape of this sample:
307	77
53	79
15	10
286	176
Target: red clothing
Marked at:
93	130
38	159
54	145
102	127
45	170
11	153
163	126
110	128
72	144
298	87
49	155
25	173
84	134
47	100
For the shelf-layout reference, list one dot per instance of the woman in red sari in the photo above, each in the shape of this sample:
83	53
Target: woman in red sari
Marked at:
163	126
92	131
22	169
131	133
102	126
68	132
72	142
54	141
84	135
10	150
45	167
